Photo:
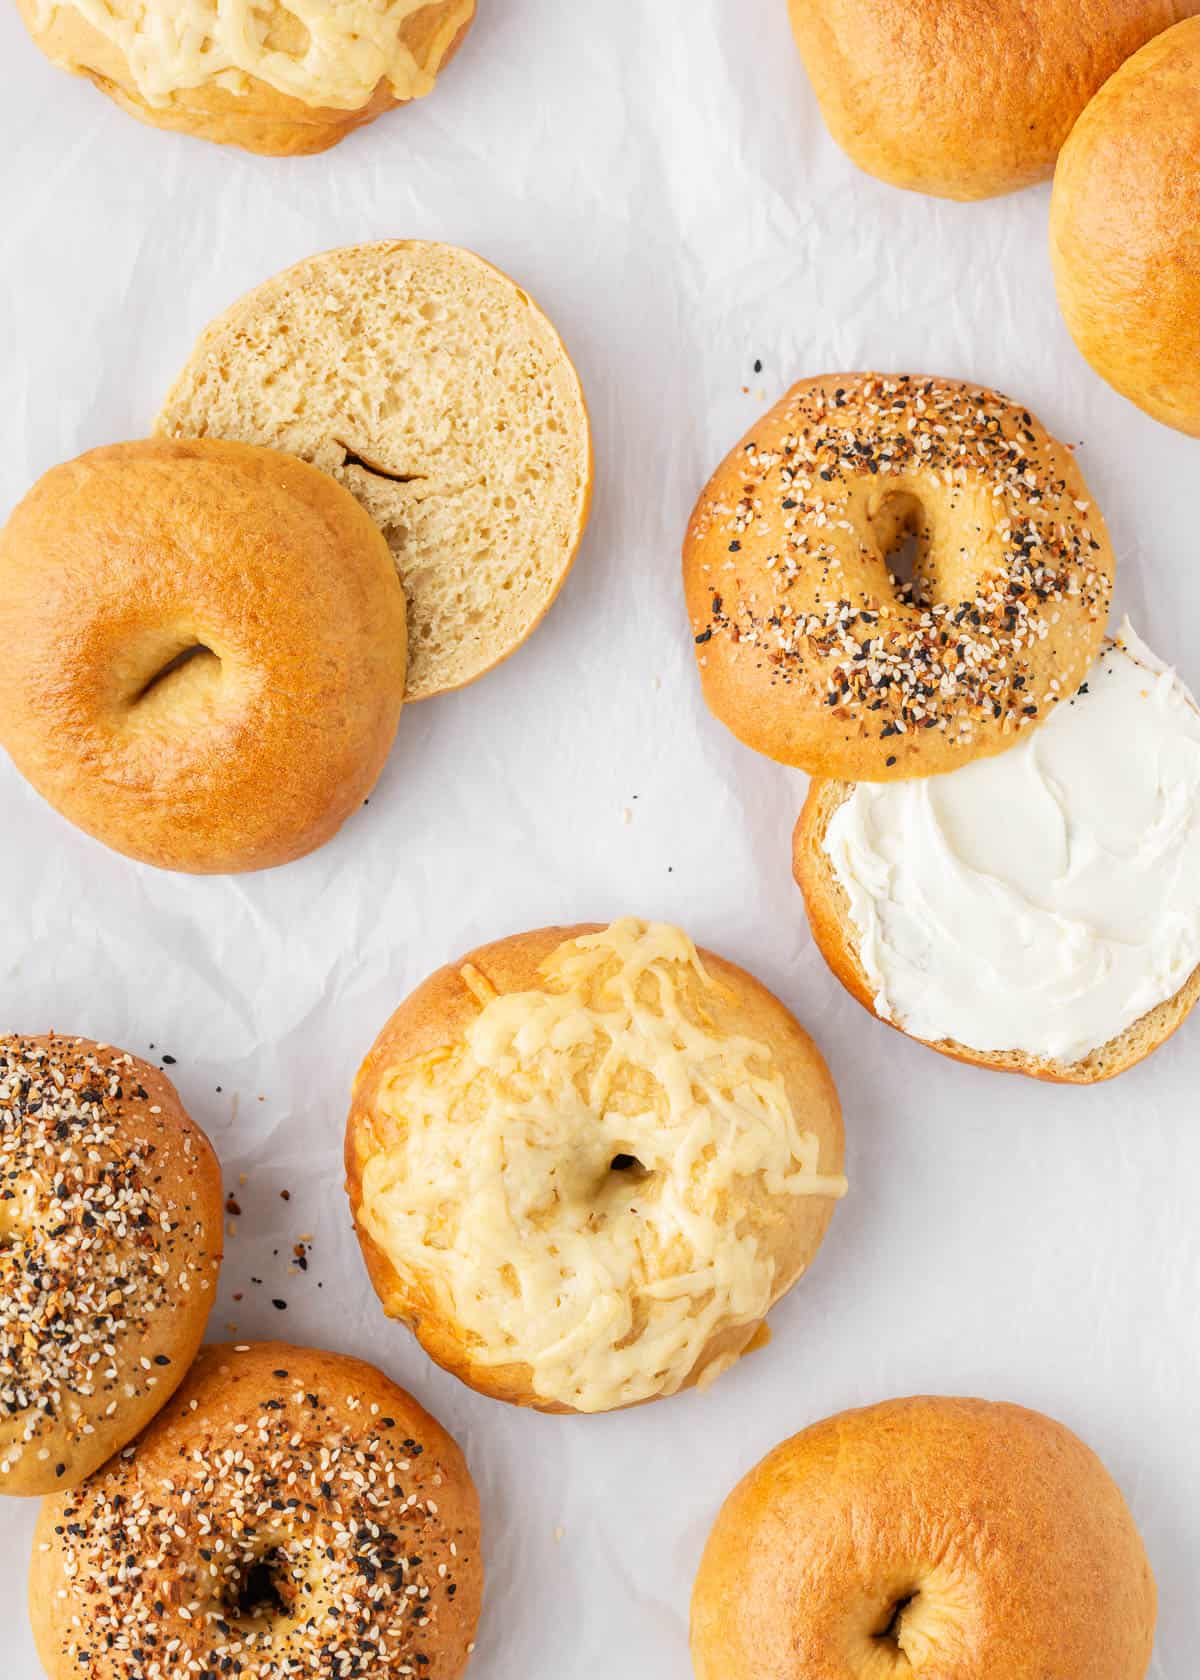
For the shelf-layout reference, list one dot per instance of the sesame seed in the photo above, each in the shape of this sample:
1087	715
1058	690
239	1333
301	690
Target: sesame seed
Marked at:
820	610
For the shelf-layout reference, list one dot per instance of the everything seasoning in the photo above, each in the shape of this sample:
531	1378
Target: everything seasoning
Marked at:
282	1539
845	477
86	1265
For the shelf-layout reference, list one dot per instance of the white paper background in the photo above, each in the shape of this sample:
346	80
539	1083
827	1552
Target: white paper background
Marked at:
657	173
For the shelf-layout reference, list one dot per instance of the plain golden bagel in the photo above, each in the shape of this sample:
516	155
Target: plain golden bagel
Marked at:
814	651
206	652
110	1245
254	73
833	930
434	388
292	1512
584	1162
962	98
1125	229
933	1538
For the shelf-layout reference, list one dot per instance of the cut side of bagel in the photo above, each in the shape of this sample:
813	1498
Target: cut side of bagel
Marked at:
433	388
837	939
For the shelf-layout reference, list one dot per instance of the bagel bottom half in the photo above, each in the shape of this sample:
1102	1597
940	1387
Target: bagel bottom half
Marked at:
833	930
937	1539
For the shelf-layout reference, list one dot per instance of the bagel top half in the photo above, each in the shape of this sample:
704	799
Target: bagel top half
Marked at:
1125	229
584	1163
259	74
931	1538
204	651
290	1513
812	650
110	1246
960	99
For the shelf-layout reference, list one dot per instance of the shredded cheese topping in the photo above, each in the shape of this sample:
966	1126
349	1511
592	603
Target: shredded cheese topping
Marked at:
323	52
594	1180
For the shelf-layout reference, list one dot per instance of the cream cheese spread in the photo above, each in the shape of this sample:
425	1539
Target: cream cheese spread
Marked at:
1046	899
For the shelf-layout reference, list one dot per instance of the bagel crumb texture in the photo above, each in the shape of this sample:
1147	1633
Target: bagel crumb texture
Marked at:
110	1243
812	650
292	1513
432	387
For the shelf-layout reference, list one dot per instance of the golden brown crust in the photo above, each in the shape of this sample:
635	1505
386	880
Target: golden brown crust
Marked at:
963	98
933	1537
260	120
808	648
829	917
1125	229
441	1009
256	751
110	1246
309	1466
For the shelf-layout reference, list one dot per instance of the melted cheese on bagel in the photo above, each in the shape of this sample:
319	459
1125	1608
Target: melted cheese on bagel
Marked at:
585	1180
322	52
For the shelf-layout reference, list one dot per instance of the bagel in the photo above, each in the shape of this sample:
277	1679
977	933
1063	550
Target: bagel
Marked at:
205	652
931	1538
110	1245
960	99
433	387
583	1163
1125	229
812	651
290	1513
261	74
1037	913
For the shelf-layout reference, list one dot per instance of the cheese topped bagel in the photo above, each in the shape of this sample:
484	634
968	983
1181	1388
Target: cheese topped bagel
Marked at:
263	74
585	1162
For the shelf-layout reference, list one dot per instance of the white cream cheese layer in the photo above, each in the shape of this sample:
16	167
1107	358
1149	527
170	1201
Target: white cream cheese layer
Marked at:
324	52
1043	900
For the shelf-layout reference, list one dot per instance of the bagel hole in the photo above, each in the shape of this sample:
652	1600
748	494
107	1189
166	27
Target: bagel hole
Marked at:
901	528
185	656
889	1633
352	458
255	1596
902	564
627	1164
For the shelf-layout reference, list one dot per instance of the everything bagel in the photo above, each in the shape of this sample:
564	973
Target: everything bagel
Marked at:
291	1513
205	651
110	1244
810	650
